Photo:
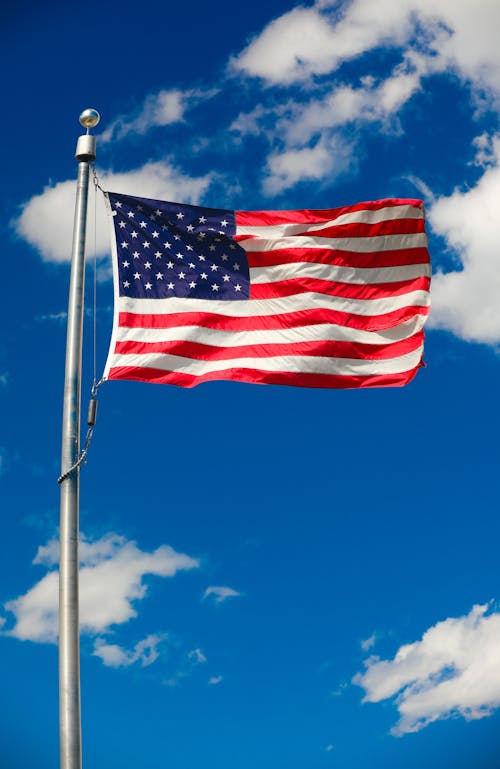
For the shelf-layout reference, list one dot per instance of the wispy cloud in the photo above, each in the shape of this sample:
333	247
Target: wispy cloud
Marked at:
192	660
214	680
368	643
112	571
144	652
158	109
220	594
453	670
3	459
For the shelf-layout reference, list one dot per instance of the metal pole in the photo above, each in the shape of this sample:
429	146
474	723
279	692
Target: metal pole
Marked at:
69	630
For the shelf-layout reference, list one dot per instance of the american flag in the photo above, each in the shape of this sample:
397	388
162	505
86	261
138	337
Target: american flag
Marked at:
312	298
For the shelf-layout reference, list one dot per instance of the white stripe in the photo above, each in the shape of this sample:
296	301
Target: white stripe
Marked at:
318	332
247	308
356	275
355	217
366	245
285	363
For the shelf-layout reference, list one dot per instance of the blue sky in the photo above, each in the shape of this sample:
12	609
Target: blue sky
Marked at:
271	577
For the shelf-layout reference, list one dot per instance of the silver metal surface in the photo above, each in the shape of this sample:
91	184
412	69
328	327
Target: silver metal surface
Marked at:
89	118
69	629
85	148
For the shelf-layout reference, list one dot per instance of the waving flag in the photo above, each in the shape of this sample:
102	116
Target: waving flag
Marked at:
312	298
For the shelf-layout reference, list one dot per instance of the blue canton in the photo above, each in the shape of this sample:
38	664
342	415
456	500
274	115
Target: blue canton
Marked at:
168	249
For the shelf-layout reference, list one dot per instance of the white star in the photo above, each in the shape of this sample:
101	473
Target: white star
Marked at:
201	235
130	214
137	275
236	266
134	234
158	254
191	265
214	268
170	265
135	254
143	224
126	264
139	208
124	244
159	276
177	237
212	248
224	257
170	285
189	248
204	275
179	255
202	220
148	286
237	287
190	228
122	225
155	234
226	278
201	257
192	284
180	216
182	275
158	212
118	204
126	284
146	244
231	245
223	223
167	245
147	265
215	287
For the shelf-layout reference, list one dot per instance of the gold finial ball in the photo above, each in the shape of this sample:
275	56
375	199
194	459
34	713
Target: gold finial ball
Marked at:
89	118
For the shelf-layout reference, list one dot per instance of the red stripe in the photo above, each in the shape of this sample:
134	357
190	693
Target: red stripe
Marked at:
355	230
263	218
314	348
283	320
294	286
397	258
253	376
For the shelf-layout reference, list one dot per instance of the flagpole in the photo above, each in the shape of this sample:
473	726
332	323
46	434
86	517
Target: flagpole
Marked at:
69	630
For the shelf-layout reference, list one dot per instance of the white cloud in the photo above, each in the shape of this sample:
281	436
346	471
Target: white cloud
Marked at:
307	42
329	748
47	219
220	594
4	378
112	570
312	41
214	680
466	301
144	652
159	109
453	670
